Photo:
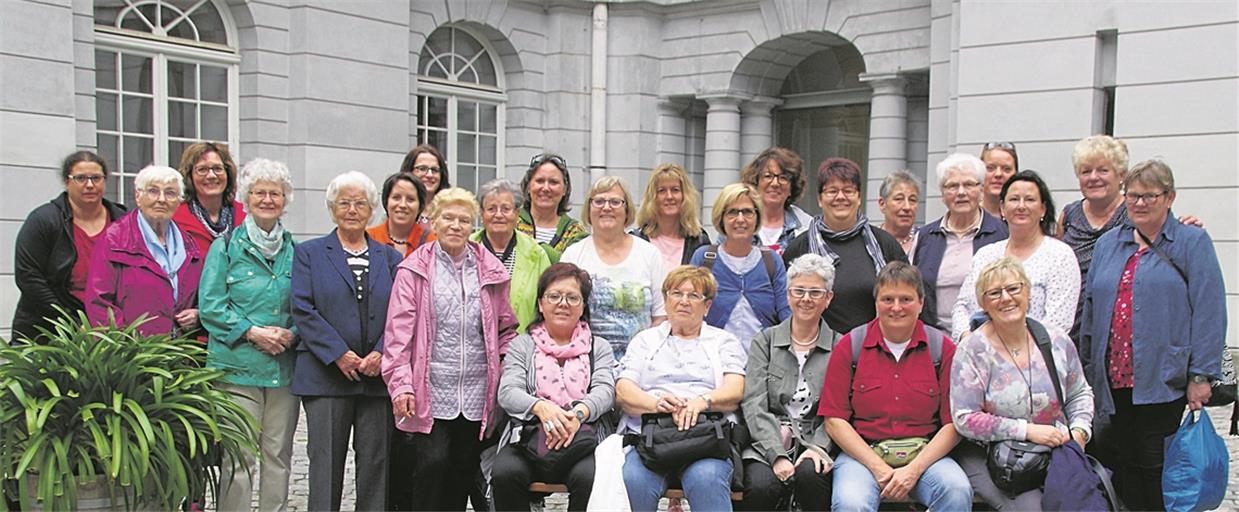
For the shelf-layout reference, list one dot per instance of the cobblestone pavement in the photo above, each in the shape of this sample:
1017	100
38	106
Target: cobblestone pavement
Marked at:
300	489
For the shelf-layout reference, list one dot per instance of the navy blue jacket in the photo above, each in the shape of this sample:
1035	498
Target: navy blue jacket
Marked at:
324	309
931	245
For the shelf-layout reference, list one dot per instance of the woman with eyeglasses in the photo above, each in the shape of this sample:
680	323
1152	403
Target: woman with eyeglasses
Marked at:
54	246
210	209
898	198
627	271
752	283
668	216
1001	163
1001	387
1053	274
548	189
778	176
341	285
448	326
783	383
558	378
404	198
844	236
1152	331
145	264
523	258
682	368
426	163
944	252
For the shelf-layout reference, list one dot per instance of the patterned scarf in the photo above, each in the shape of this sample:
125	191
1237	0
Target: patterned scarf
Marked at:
562	370
269	244
217	229
821	234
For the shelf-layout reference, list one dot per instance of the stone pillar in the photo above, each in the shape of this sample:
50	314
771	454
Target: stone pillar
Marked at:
888	133
756	127
672	131
722	158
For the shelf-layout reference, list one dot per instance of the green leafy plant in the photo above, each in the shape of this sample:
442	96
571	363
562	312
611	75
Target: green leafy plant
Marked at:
138	413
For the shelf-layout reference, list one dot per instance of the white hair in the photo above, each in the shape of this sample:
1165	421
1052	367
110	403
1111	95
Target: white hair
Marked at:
261	170
813	264
354	180
960	161
499	186
158	174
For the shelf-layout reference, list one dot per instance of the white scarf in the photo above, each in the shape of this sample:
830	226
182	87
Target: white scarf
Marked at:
269	244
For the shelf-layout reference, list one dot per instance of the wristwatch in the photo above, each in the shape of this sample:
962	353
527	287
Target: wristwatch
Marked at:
709	400
1198	379
580	414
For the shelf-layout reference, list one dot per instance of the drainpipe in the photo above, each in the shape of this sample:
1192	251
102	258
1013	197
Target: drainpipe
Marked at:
598	97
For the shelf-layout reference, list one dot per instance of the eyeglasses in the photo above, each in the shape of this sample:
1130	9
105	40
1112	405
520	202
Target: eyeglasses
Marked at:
267	194
773	177
747	213
570	299
538	160
83	179
422	170
1008	146
499	209
167	193
1147	198
954	187
846	192
360	204
813	293
1011	289
613	202
691	297
209	169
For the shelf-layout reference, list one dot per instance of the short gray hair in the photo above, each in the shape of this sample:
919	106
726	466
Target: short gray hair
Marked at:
963	162
263	170
355	180
813	264
895	179
1151	173
499	186
160	174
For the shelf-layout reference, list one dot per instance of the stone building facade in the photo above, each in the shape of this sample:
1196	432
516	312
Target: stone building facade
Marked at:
617	87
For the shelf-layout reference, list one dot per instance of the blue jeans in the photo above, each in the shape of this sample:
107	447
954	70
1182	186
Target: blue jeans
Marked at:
706	483
944	486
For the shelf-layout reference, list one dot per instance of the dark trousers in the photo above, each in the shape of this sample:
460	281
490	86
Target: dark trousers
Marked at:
445	462
512	473
763	491
329	422
1133	446
399	495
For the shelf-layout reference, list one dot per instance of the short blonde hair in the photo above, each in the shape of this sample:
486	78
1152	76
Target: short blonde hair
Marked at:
728	196
1004	266
605	184
153	174
647	216
450	196
1100	146
701	279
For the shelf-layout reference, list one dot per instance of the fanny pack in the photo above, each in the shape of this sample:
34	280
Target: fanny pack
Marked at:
898	452
664	447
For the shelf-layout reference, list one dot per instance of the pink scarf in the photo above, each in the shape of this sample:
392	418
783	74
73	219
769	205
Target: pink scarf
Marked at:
562	370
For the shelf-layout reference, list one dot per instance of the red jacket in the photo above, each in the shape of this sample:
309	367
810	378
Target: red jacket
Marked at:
193	227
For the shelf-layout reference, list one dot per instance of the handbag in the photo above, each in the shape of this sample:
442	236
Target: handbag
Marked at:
1018	466
663	447
898	452
1197	466
556	462
1076	481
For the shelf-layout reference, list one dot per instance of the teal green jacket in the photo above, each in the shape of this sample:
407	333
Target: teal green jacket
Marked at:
240	289
531	259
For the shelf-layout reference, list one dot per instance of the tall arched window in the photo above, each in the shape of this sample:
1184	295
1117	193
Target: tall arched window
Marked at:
165	76
460	104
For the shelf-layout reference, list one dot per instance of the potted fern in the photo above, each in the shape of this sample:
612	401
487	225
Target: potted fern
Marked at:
135	419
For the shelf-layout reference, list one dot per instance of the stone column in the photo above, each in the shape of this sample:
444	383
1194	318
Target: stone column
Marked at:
756	127
722	158
672	131
888	133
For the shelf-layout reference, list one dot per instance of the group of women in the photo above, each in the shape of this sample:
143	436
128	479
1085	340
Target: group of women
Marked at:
436	346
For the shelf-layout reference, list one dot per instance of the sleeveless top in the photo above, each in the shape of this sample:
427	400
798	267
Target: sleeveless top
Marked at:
1081	236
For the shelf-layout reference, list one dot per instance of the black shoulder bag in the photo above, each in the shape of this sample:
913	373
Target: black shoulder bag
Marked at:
1018	466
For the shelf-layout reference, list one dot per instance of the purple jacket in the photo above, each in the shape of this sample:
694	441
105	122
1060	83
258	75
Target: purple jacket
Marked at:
411	330
126	280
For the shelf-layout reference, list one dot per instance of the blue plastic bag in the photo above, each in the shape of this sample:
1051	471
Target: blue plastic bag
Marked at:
1196	467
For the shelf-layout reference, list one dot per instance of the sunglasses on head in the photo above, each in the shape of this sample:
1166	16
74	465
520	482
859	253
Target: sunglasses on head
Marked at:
547	157
1009	146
